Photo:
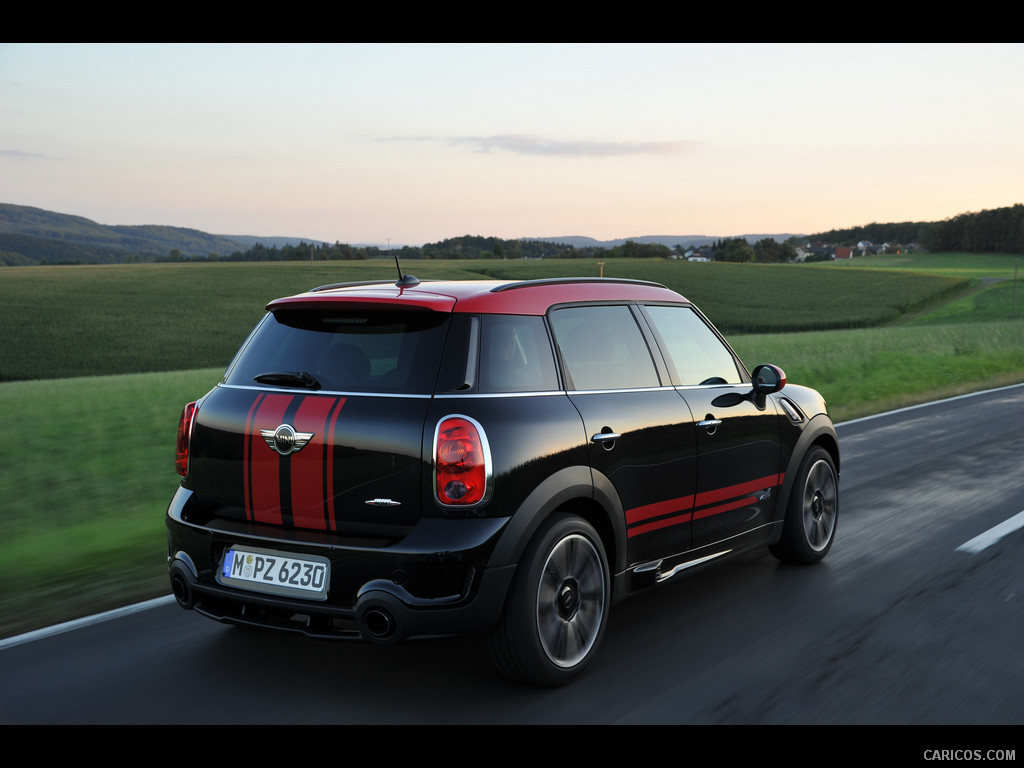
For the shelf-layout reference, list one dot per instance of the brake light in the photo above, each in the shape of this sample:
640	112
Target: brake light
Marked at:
188	415
462	473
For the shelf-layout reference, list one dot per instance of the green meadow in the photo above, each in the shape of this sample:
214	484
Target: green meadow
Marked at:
96	363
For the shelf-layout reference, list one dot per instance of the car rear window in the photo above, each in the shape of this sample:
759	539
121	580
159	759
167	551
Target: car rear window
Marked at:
364	351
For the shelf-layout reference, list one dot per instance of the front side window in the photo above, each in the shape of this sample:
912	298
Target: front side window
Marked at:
603	348
695	352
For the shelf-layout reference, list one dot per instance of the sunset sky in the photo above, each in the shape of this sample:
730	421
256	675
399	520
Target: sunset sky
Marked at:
360	143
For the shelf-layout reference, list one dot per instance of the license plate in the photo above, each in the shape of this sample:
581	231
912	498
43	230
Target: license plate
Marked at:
276	573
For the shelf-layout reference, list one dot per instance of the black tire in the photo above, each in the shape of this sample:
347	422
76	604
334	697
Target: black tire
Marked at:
813	511
557	609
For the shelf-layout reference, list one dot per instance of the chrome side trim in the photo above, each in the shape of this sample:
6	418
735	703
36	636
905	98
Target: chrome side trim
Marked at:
478	395
618	391
683	566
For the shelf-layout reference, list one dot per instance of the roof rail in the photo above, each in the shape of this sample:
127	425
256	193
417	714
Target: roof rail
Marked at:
563	280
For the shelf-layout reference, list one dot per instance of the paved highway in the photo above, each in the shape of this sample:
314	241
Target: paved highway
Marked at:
916	617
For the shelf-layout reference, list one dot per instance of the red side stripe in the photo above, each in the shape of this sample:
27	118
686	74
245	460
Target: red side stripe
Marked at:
637	514
668	521
732	491
709	511
709	500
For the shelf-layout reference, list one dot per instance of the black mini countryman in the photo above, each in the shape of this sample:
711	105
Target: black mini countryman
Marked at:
392	460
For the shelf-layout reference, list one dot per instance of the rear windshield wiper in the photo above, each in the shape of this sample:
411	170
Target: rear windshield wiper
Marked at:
288	379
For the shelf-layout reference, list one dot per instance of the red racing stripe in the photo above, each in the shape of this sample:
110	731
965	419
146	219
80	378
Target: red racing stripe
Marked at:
308	465
247	446
264	462
331	521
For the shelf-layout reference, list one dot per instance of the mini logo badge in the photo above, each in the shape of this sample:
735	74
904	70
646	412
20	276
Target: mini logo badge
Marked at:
285	439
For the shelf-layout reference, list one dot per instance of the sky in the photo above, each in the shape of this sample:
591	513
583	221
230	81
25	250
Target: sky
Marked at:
414	143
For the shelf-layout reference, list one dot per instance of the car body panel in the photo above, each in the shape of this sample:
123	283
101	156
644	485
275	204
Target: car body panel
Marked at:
615	403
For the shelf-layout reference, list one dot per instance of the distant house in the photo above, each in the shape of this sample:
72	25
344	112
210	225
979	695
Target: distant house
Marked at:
814	252
842	252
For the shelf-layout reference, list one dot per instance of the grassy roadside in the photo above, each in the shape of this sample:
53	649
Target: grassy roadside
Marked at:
84	484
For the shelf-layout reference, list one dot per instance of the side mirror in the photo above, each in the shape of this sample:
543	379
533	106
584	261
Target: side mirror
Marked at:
768	379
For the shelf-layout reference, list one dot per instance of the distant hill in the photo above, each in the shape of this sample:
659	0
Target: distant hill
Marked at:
33	236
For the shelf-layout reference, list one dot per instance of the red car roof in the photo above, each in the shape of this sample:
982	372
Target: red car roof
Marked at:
529	297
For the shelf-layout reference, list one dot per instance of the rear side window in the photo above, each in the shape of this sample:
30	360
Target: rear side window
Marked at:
494	354
603	348
369	351
516	355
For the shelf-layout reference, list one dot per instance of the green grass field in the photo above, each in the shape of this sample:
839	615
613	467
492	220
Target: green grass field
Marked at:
89	471
111	319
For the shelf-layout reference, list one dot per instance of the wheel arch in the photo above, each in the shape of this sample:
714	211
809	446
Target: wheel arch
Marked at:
819	432
575	490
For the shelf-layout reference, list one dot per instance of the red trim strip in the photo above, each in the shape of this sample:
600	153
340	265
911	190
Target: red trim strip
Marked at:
740	489
710	511
668	521
708	500
637	514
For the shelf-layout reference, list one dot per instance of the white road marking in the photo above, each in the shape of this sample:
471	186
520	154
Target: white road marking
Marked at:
992	535
925	405
85	621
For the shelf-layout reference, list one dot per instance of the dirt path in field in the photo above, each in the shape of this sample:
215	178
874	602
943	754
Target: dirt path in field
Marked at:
983	284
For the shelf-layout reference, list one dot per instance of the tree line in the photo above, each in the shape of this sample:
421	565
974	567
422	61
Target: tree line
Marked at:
464	247
1000	230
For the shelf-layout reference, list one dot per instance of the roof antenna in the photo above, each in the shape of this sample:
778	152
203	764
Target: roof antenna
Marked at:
404	281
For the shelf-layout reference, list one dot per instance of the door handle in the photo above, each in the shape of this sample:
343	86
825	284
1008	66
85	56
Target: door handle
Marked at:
710	423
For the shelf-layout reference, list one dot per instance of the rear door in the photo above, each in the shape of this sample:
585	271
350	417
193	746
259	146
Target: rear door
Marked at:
640	432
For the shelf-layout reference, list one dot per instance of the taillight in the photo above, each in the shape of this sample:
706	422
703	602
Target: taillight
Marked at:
462	472
188	415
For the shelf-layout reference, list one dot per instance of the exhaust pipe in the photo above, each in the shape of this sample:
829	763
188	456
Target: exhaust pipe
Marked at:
377	615
181	583
378	624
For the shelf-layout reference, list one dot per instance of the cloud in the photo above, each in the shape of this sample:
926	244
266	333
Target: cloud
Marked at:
18	154
524	144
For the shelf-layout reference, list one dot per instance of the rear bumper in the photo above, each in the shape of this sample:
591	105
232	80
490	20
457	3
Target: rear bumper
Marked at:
433	582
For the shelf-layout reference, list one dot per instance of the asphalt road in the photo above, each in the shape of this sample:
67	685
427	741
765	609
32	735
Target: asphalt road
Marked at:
897	625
